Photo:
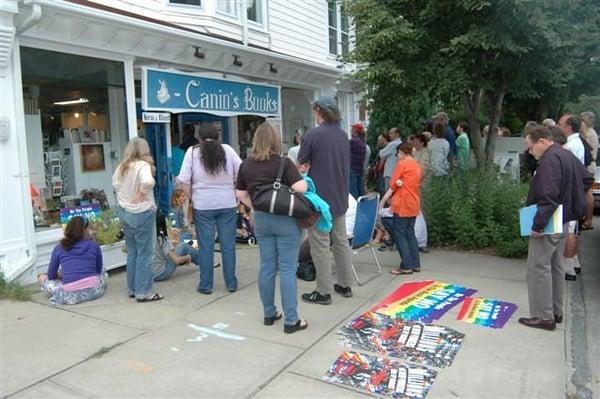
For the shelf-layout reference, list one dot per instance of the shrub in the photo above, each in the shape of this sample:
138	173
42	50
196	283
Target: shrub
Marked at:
105	229
13	290
474	210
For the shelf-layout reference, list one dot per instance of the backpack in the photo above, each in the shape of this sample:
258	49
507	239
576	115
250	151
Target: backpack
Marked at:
306	271
587	152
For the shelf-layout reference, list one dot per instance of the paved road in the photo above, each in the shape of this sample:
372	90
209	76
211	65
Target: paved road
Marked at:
192	345
583	338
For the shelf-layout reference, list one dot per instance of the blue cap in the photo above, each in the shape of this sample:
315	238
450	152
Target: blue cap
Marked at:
326	103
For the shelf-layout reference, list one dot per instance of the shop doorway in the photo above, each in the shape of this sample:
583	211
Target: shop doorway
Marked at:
247	125
157	136
221	123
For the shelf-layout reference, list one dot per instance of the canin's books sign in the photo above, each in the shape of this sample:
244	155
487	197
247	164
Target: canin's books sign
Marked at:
175	91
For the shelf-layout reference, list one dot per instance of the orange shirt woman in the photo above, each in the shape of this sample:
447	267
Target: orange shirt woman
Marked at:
406	205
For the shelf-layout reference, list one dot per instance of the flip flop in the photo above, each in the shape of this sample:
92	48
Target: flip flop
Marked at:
300	325
587	227
398	272
154	297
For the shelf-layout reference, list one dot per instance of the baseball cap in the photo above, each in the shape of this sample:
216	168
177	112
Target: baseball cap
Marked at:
326	103
358	126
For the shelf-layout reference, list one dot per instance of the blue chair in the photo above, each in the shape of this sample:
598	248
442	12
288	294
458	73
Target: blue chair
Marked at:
364	226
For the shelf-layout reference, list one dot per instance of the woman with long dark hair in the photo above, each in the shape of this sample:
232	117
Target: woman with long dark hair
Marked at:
75	273
133	181
208	173
278	236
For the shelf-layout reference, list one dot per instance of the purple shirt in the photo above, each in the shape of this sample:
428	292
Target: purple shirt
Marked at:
210	191
84	259
358	150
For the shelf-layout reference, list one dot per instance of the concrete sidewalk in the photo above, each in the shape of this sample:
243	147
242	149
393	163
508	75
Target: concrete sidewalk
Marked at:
192	345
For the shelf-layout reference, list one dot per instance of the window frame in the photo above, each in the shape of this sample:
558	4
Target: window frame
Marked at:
171	3
236	7
261	10
339	32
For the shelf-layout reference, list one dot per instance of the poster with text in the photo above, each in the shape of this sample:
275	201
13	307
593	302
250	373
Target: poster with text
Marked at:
381	376
486	312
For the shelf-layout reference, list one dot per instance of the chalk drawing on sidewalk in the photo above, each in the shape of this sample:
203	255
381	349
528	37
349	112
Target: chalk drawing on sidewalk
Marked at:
174	349
215	330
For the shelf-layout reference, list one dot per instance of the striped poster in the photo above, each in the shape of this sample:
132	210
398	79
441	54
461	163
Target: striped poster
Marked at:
486	312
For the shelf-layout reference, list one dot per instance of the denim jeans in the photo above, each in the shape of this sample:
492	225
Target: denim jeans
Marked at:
224	220
356	184
278	238
140	238
182	249
406	242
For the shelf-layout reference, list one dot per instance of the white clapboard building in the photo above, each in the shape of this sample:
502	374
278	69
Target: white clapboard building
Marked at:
79	78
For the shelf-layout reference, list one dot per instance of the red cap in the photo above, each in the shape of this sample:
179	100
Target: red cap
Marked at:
358	127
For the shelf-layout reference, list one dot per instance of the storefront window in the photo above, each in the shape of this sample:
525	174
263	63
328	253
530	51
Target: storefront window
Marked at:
247	125
76	129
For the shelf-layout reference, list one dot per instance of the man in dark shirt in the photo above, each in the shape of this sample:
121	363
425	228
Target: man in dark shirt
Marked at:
560	179
358	151
188	139
325	154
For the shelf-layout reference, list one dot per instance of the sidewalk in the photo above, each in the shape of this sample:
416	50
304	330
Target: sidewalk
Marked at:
192	345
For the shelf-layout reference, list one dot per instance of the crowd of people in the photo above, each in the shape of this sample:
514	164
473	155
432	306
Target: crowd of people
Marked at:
329	169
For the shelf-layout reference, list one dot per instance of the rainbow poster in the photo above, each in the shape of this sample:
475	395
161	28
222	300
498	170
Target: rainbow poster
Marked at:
424	301
486	312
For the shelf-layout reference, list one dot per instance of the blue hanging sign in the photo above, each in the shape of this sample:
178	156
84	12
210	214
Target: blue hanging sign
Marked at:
174	91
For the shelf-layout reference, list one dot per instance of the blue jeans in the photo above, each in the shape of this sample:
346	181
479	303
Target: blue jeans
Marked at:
356	184
225	222
140	238
278	238
406	242
182	249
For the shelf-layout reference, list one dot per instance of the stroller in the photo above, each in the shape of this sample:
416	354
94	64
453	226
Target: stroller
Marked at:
244	232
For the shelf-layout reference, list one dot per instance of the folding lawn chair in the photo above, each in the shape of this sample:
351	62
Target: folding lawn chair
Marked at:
364	226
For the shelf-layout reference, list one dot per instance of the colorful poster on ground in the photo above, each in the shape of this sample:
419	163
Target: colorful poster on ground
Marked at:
486	312
414	341
425	301
381	376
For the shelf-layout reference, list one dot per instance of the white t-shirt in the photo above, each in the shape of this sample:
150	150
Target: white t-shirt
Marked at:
138	179
575	145
293	153
350	216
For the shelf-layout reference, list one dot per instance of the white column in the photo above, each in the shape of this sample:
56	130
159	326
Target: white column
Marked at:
130	95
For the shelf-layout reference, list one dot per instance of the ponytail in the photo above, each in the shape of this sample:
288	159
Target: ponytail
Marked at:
212	154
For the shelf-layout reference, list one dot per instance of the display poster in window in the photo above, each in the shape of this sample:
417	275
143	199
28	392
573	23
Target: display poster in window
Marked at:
90	212
92	157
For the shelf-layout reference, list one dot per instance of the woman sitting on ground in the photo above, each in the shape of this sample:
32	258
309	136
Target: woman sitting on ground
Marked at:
167	257
81	276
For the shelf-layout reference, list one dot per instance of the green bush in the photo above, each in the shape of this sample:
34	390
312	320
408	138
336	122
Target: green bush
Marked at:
106	228
13	290
475	210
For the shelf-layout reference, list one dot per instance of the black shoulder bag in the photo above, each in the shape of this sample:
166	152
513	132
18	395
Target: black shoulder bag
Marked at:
280	199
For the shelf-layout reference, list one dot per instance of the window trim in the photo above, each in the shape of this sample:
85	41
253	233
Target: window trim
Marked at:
338	30
186	7
263	11
227	14
330	27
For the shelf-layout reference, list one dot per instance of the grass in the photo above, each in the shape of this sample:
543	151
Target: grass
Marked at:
13	290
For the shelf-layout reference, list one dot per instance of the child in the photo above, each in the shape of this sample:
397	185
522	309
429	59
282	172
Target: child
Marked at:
81	277
166	257
178	201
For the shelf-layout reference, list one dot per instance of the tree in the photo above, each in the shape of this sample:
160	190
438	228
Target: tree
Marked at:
470	50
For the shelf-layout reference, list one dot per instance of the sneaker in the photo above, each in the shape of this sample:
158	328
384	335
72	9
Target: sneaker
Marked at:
425	250
316	297
346	292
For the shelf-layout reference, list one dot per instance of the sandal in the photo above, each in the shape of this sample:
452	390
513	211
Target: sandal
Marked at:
152	298
398	272
587	227
418	270
300	325
268	321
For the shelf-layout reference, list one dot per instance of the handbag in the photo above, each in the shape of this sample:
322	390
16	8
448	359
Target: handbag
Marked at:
280	199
